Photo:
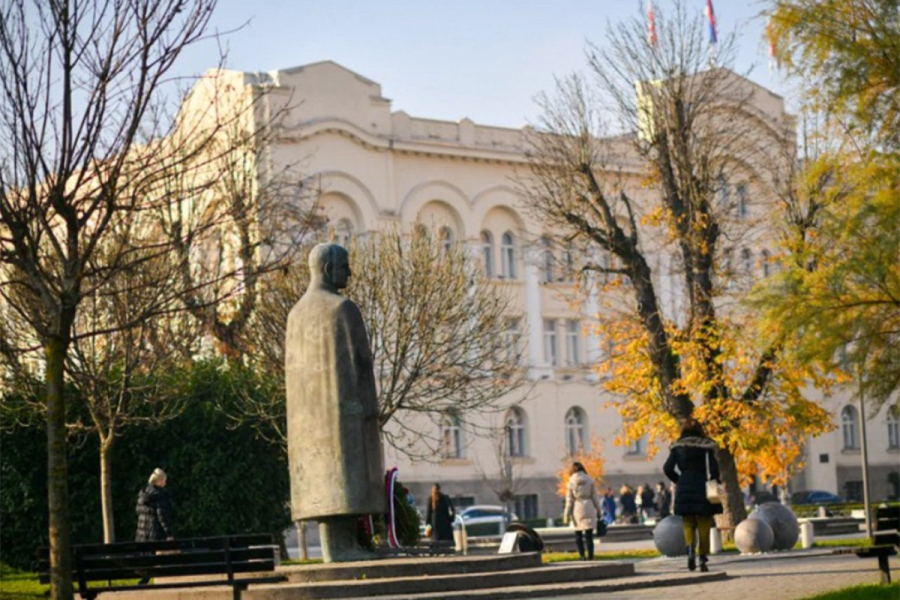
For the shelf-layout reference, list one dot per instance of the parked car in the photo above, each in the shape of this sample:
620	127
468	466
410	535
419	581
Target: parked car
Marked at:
486	519
815	497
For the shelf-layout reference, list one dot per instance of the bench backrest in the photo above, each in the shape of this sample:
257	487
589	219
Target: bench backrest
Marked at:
887	519
172	558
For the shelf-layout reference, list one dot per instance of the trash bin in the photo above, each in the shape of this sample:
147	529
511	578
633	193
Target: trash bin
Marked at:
528	539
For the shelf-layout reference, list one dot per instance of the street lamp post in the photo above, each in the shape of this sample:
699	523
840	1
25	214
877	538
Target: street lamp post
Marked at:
865	456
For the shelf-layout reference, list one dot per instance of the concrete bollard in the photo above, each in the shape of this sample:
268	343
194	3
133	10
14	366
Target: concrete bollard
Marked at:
460	537
822	512
807	535
715	541
550	522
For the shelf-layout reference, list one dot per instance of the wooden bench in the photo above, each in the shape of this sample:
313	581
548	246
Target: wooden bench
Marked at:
226	555
886	540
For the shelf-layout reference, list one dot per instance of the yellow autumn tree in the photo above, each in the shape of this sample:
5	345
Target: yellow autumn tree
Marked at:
592	459
668	203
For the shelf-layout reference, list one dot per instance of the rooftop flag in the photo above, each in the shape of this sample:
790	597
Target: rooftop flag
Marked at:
651	24
711	16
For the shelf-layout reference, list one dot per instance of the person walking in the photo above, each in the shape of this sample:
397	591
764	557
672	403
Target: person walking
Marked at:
609	506
582	509
663	501
691	457
647	497
439	516
629	506
154	513
154	510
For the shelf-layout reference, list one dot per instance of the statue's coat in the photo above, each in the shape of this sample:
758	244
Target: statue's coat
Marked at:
334	442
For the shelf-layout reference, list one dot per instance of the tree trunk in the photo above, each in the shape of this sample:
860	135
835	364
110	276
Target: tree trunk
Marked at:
733	504
57	472
106	499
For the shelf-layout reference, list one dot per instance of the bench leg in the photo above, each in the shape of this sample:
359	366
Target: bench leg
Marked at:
883	566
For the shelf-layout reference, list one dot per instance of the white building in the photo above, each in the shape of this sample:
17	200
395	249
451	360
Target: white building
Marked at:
377	167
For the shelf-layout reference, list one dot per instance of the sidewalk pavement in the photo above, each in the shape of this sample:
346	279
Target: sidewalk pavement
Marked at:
779	576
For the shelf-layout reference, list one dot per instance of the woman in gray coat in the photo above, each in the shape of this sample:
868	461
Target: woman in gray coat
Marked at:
582	509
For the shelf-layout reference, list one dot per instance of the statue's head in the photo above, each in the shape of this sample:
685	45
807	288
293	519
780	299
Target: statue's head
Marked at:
329	264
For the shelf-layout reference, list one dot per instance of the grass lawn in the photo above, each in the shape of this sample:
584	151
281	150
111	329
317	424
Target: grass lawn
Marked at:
552	557
19	585
862	592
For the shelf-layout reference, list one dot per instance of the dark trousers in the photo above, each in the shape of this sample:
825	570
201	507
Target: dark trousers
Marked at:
585	538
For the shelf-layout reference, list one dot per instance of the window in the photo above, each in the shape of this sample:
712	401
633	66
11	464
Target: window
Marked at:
343	232
766	269
722	195
569	274
515	432
511	337
551	355
548	260
487	249
893	426
451	437
742	208
637	447
447	238
508	255
526	506
575	426
747	261
573	343
849	428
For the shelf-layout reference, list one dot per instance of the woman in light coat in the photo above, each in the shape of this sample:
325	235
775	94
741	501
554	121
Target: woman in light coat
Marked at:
582	509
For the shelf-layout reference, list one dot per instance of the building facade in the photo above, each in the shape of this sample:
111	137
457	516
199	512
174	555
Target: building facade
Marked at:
376	168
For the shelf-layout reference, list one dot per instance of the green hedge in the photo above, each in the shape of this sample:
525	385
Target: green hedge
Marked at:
222	479
836	510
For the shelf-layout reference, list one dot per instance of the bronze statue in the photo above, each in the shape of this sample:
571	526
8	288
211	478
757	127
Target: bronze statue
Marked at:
334	441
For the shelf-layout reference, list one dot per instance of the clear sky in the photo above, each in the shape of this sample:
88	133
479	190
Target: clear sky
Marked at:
449	59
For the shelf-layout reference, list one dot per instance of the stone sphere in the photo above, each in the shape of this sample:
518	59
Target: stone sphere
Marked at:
668	536
782	521
753	535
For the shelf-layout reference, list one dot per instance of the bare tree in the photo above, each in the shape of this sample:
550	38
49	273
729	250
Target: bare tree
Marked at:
78	83
128	370
437	330
697	141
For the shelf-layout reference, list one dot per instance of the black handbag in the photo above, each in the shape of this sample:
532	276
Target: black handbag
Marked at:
601	528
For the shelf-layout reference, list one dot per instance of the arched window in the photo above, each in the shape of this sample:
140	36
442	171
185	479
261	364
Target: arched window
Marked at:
447	238
850	427
742	209
747	261
343	232
515	432
451	437
575	430
766	269
487	249
548	260
893	426
508	255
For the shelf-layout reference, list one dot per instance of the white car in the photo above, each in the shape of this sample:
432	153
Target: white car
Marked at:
485	519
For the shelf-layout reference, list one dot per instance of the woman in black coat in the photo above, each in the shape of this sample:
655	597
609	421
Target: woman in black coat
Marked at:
687	468
439	516
154	510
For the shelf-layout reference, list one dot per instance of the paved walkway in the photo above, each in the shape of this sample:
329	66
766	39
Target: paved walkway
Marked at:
787	576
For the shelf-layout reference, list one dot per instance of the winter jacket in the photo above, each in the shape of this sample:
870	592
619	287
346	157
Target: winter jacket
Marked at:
663	503
609	509
440	519
686	467
582	503
154	511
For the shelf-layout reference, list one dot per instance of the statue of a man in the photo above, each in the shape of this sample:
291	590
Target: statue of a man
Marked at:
334	442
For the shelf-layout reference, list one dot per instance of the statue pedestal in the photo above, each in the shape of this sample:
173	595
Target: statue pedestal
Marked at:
338	536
